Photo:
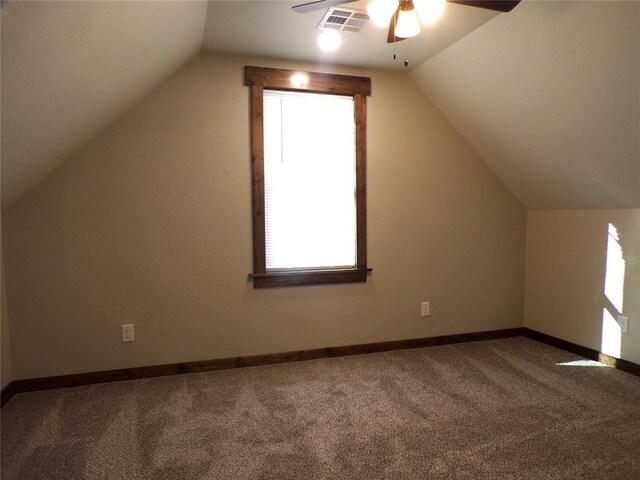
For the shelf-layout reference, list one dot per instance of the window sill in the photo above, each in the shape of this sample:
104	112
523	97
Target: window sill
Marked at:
308	277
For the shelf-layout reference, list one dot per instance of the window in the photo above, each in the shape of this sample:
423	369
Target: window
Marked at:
309	180
309	177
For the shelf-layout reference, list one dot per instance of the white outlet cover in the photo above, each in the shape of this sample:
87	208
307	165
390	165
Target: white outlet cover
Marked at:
128	334
425	309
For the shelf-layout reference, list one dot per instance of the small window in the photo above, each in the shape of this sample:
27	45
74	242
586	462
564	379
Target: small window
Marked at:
308	160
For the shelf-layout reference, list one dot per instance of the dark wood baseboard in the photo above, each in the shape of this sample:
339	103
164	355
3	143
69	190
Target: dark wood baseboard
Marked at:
589	353
562	344
46	383
7	393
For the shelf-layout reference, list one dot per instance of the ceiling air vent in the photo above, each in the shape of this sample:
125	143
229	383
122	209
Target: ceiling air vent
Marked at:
344	20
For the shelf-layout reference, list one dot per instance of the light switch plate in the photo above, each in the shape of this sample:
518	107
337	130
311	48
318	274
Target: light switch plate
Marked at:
426	309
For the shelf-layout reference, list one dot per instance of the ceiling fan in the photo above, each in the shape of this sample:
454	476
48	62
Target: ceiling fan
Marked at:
403	16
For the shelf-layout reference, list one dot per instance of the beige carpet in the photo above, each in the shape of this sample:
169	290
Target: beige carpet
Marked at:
499	409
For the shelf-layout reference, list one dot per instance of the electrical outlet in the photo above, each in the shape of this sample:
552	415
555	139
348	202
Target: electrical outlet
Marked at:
426	309
624	323
128	333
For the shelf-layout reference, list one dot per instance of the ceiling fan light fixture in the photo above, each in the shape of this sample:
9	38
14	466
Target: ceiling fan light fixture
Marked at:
408	24
429	10
381	11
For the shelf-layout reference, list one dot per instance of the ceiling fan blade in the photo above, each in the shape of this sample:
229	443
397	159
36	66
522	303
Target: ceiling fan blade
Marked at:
497	5
391	35
319	5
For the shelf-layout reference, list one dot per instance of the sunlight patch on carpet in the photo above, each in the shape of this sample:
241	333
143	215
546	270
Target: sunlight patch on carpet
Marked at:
582	363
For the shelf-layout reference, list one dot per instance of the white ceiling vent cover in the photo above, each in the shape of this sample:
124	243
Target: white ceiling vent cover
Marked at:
344	20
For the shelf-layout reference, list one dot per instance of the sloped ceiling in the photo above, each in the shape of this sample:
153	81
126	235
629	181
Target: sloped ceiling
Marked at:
549	96
70	68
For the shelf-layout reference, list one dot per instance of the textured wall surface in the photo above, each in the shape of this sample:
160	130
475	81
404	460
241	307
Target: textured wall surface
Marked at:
150	224
579	276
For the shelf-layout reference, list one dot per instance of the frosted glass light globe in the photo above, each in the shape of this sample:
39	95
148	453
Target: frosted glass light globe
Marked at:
408	25
429	10
381	11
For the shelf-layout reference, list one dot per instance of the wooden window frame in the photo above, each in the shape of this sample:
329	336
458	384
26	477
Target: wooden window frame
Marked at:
258	79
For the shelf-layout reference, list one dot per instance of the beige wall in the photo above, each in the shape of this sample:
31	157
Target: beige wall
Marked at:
565	280
5	344
150	224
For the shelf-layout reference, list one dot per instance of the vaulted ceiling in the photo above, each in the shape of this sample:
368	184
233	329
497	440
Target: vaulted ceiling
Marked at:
69	69
548	95
273	29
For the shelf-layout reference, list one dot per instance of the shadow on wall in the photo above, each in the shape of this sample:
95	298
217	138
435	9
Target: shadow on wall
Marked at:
613	321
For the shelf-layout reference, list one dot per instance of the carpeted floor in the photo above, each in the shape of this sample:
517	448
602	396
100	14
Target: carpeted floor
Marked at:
500	409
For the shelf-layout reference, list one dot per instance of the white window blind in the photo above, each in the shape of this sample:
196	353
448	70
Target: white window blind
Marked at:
309	180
